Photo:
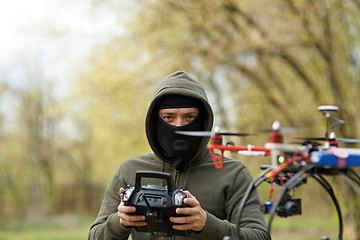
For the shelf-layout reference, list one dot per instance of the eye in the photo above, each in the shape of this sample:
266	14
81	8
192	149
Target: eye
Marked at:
167	118
191	117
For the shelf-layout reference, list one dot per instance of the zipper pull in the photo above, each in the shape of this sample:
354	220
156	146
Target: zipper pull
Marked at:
176	176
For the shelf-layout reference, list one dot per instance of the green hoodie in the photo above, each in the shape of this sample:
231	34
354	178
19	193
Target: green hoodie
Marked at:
219	191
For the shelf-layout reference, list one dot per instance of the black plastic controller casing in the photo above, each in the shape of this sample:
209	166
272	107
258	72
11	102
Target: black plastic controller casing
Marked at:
157	203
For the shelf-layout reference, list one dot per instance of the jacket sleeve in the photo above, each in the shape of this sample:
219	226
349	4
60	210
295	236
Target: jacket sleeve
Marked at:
252	223
107	225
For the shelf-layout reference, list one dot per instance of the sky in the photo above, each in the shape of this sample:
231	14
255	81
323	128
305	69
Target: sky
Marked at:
54	34
55	37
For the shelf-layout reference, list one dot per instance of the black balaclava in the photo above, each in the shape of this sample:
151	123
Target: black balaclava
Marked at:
177	149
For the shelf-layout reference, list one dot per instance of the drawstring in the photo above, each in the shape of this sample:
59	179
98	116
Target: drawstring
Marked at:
163	167
163	170
186	176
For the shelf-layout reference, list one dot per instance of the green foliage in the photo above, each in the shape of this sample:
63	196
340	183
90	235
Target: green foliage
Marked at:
58	228
286	56
259	61
115	103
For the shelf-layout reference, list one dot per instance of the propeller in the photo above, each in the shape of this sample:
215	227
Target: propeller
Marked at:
347	140
210	134
344	140
216	132
284	130
332	137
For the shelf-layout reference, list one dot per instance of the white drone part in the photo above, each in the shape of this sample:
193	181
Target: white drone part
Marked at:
332	135
251	153
216	129
276	125
328	108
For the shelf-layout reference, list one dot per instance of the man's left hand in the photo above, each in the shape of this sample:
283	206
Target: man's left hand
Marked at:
196	216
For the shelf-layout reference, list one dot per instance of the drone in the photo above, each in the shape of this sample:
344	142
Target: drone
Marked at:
292	164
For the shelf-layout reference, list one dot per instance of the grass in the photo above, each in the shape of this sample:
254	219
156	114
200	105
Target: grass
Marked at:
304	228
299	222
67	227
71	227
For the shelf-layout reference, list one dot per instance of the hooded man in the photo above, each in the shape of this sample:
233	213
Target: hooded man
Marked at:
179	103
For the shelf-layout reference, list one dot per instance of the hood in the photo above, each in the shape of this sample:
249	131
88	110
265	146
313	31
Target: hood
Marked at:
179	83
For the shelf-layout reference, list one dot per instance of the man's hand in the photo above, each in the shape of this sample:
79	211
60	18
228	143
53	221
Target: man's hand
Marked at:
196	216
125	218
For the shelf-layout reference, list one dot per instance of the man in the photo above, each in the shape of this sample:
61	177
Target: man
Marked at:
179	103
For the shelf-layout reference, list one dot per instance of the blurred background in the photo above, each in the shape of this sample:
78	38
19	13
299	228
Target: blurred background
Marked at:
76	78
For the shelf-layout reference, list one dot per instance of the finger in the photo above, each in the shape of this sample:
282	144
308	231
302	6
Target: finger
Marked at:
188	193
185	211
182	223
191	199
131	218
186	223
192	202
133	224
183	227
181	220
128	220
126	209
121	191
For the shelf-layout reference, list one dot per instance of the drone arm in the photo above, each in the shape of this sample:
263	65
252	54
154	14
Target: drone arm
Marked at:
281	167
290	184
217	159
326	185
254	184
351	181
337	122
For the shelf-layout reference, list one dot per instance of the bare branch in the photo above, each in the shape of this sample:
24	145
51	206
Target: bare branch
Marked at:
259	83
322	49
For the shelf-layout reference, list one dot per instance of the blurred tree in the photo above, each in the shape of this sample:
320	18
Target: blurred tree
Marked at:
29	152
114	95
37	133
3	174
261	45
260	61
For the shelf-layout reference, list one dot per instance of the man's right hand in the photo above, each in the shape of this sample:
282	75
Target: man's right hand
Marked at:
125	218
